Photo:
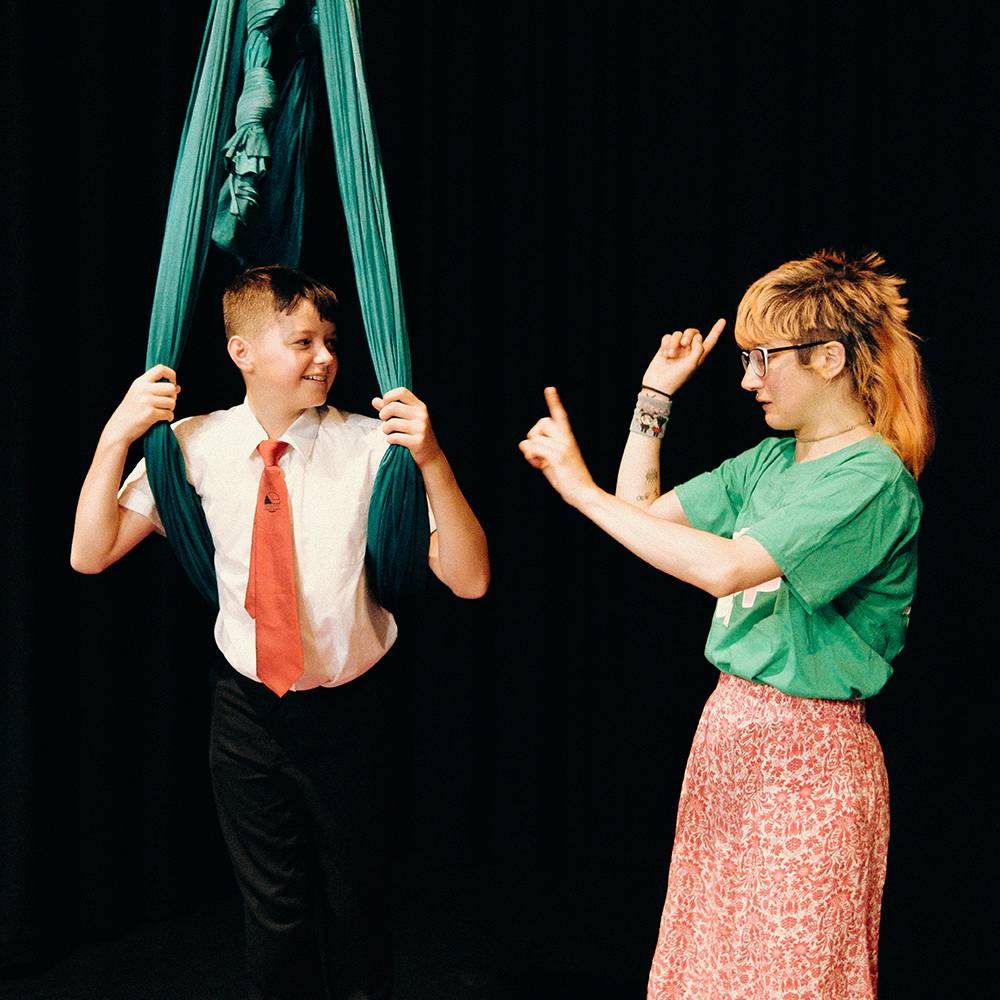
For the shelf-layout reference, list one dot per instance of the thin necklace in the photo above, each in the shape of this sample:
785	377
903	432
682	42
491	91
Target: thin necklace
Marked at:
826	437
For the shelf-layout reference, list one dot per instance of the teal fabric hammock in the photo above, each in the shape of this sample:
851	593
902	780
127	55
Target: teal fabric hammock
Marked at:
245	191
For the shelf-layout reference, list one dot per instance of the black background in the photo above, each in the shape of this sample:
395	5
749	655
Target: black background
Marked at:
568	181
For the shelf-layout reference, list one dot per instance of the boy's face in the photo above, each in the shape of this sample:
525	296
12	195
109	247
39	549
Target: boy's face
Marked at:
293	358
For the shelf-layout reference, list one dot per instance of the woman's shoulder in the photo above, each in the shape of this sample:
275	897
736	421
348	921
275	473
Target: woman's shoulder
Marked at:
872	456
872	468
768	451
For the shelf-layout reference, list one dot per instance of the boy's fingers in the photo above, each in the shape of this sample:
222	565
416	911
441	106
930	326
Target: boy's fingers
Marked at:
399	393
399	406
396	425
158	372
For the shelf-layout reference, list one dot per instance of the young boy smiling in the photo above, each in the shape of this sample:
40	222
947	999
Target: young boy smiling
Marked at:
298	776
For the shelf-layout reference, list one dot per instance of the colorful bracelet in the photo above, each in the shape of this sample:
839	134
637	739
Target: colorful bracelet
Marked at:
651	414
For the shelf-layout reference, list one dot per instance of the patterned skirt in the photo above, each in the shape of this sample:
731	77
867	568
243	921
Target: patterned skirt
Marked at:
778	864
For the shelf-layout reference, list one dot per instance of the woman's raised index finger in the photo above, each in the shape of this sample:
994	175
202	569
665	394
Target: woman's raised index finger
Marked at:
713	335
556	410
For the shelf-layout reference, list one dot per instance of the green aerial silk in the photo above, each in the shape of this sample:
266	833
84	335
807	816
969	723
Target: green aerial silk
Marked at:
246	192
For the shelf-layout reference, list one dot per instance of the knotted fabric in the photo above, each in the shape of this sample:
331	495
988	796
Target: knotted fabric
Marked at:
271	599
248	151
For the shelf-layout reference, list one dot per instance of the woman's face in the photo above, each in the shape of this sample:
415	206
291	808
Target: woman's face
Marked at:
788	391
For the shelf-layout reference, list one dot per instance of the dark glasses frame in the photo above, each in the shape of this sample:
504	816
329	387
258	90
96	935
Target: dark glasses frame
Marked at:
748	357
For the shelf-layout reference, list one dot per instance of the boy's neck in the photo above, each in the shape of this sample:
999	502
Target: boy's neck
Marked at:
274	419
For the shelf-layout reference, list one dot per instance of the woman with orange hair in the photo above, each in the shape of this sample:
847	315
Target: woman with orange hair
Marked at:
809	543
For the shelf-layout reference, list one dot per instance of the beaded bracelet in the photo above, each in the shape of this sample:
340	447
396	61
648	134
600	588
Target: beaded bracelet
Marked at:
651	414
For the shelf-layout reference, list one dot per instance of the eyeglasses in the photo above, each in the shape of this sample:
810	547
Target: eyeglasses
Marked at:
756	358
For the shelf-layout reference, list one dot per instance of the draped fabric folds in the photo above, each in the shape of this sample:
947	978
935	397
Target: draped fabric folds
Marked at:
246	190
197	177
398	532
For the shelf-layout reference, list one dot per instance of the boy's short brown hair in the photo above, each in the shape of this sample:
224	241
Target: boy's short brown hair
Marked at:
256	294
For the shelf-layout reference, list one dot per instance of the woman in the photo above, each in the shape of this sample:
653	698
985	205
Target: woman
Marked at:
809	543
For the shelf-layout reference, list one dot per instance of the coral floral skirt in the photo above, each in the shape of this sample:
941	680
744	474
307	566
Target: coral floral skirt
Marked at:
779	856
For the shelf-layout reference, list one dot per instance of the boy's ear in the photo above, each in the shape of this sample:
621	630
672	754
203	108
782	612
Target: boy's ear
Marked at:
241	351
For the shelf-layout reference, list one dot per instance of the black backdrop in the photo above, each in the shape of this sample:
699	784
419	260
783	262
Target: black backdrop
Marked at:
568	180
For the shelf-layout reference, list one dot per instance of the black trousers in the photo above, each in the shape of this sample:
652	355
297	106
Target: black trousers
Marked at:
299	786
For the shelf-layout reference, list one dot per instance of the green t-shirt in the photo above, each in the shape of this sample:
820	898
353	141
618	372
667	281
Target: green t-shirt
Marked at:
843	529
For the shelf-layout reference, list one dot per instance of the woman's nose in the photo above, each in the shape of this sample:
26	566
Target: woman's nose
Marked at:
751	381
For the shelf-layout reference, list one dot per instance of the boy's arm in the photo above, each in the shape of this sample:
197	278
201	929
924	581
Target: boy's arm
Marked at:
458	554
103	532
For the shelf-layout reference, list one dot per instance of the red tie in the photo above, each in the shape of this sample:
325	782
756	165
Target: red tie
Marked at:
270	597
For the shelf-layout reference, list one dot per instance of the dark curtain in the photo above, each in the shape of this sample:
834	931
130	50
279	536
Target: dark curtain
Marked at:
568	181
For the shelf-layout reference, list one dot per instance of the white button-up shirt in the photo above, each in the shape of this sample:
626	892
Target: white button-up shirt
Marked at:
329	469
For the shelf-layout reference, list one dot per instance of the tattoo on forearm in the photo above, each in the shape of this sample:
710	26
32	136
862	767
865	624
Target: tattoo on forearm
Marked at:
642	498
652	475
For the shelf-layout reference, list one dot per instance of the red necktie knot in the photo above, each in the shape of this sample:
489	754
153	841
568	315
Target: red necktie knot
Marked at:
271	451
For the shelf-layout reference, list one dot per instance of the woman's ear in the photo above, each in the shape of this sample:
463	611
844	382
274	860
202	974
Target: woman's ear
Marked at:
241	351
830	359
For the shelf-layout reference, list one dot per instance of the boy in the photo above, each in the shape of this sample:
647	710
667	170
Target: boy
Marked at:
285	483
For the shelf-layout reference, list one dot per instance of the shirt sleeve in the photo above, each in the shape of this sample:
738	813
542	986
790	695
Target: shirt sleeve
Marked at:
713	500
136	495
839	529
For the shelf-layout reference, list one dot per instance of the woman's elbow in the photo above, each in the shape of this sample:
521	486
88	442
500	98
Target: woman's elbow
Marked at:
718	590
722	580
735	578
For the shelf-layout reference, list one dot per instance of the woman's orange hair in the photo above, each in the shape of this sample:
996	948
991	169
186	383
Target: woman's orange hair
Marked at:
828	297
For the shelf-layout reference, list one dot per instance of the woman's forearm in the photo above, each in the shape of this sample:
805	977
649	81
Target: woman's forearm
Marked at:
717	565
639	471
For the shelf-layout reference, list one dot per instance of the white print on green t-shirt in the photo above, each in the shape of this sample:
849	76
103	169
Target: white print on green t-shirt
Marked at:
724	607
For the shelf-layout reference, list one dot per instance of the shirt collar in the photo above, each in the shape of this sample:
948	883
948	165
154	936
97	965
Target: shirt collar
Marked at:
301	434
